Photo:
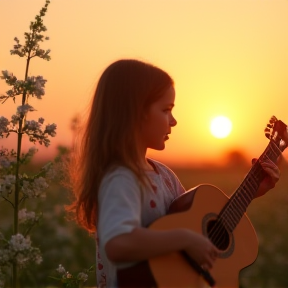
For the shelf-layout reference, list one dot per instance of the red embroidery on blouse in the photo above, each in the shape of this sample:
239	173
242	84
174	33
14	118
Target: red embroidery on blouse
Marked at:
152	204
100	266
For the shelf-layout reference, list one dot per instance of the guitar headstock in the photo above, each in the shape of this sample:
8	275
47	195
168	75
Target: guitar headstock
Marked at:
276	131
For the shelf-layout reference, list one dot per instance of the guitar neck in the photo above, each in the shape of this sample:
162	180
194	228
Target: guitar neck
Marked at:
242	197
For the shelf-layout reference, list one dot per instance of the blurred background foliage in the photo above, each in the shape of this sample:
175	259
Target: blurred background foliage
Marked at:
60	240
63	242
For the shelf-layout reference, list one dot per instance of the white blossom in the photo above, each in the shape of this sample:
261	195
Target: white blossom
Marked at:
82	276
10	179
32	151
38	85
5	163
32	125
6	184
61	269
50	171
19	250
50	129
37	258
4	122
35	188
24	215
23	109
41	120
14	119
19	243
5	256
6	74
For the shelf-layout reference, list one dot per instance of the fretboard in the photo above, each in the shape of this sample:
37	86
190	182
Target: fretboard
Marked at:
233	211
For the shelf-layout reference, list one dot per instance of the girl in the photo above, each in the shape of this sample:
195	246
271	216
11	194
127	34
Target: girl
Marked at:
119	191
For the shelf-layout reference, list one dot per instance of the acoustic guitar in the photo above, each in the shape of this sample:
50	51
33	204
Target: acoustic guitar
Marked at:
209	211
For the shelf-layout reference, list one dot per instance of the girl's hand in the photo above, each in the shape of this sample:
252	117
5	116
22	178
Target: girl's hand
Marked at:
271	178
202	250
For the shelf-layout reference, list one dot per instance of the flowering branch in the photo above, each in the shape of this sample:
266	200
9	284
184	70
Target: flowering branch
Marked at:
72	280
18	251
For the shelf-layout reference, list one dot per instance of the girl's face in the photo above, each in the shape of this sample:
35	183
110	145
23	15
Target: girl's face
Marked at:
158	121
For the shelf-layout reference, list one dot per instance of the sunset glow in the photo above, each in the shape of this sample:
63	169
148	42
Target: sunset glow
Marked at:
212	49
221	126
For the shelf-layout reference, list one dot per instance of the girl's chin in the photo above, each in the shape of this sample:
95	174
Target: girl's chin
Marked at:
159	147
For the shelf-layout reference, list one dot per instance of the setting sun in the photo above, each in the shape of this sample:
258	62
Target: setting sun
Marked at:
220	127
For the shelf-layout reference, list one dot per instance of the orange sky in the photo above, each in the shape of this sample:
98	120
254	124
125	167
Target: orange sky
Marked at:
227	58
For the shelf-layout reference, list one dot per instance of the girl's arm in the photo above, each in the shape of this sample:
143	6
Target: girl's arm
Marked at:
143	243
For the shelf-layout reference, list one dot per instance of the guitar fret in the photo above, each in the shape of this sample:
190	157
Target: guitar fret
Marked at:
247	196
272	151
243	199
256	176
241	204
236	218
275	150
254	184
238	213
250	186
226	220
228	215
238	208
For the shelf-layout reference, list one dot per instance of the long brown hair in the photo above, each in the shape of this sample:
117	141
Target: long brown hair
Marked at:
124	92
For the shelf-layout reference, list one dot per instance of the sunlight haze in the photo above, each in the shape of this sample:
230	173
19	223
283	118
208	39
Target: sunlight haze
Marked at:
226	58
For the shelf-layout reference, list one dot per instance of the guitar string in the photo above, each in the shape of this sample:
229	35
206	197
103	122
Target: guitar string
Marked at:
259	172
227	219
220	227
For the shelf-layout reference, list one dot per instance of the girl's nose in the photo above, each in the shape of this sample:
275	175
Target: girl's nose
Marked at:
173	122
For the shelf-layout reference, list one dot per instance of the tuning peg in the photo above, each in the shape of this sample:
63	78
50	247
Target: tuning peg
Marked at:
273	119
270	125
267	129
268	135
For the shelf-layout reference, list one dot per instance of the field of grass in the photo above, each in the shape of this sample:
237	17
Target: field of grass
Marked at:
62	242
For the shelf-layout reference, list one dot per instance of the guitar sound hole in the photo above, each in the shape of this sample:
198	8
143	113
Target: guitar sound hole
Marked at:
218	234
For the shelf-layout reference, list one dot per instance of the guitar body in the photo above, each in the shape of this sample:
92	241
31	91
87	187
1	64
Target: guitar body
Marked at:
207	210
194	210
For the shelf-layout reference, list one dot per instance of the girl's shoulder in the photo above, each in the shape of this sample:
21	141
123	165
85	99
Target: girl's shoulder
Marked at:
119	172
161	168
169	177
116	179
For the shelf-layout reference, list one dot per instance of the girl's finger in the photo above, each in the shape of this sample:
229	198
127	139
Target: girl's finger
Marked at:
254	160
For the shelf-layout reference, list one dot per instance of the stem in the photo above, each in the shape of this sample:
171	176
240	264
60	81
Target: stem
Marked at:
16	199
8	201
30	228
